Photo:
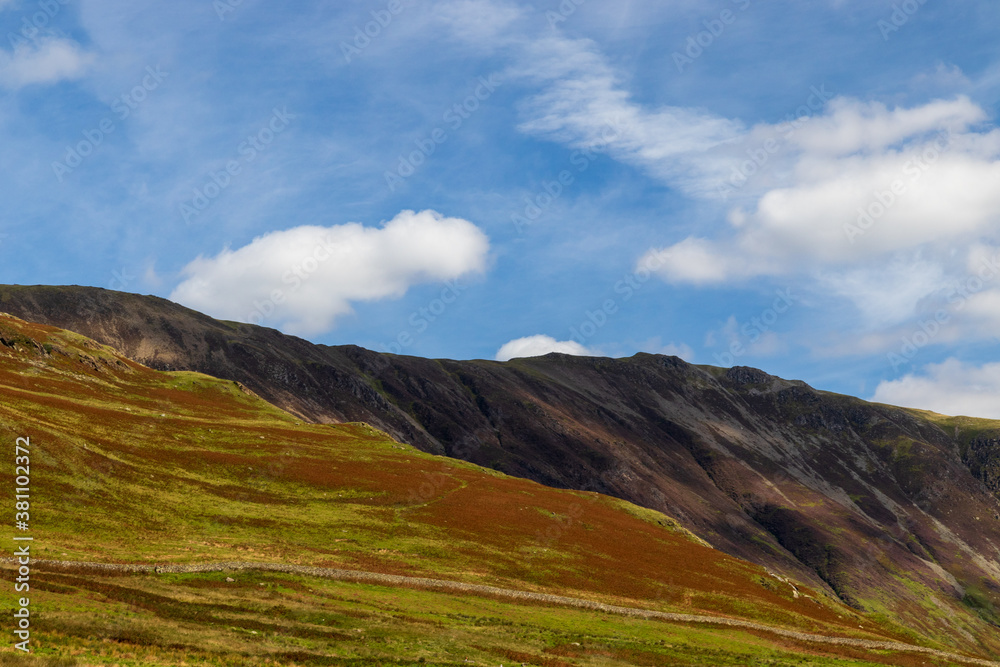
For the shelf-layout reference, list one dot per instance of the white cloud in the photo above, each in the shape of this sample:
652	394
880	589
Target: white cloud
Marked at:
306	277
50	61
950	388
822	205
867	181
943	80
873	204
881	207
584	105
955	310
693	260
536	346
984	307
850	126
902	285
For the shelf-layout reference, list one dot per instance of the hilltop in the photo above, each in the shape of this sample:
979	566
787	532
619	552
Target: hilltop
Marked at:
891	511
168	471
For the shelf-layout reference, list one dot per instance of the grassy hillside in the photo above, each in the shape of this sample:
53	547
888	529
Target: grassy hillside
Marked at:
270	619
132	465
893	512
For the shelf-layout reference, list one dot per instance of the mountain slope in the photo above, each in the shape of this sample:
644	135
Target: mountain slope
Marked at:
133	465
894	511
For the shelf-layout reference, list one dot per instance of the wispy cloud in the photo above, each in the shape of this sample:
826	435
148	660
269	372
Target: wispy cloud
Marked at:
49	60
583	96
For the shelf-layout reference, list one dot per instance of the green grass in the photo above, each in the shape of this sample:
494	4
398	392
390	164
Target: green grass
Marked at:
266	618
131	465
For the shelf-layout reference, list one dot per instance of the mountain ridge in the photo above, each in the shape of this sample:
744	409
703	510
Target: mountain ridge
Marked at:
889	509
203	525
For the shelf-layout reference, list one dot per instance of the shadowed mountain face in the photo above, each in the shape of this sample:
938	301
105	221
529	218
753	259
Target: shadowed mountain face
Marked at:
889	509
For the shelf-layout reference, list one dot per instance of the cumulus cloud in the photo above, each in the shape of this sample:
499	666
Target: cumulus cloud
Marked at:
49	61
950	388
303	279
850	126
693	260
881	207
536	346
867	181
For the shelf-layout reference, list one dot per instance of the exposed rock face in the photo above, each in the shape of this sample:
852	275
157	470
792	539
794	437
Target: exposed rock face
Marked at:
854	497
983	459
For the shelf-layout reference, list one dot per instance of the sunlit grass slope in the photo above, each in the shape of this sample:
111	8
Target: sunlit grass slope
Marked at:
132	465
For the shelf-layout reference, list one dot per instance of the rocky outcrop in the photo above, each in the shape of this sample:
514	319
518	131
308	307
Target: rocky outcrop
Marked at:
983	459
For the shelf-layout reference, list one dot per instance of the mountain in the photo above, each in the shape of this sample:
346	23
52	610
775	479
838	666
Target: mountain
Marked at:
895	512
177	518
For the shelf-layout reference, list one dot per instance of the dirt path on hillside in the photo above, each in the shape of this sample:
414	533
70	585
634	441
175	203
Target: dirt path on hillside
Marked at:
506	593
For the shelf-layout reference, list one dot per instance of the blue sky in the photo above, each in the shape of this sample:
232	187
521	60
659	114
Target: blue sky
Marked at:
809	188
